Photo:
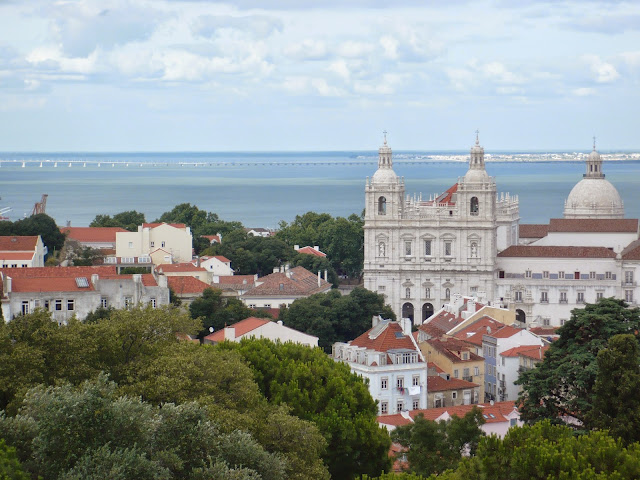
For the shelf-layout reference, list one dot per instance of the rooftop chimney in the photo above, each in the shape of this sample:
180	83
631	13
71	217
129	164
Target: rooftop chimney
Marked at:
316	248
296	247
326	276
230	334
319	279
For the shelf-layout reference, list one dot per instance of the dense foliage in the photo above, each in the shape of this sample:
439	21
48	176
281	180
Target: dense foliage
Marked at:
326	393
10	468
333	317
216	311
92	432
616	404
129	220
40	224
249	254
342	239
434	447
563	383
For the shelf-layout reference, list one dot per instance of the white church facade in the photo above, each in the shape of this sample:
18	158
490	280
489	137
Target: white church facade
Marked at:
419	252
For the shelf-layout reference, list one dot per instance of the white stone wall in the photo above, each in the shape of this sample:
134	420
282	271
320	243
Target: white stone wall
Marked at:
176	241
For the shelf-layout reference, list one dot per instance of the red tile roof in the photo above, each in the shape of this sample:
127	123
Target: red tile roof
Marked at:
179	268
48	284
181	285
222	259
529	351
505	332
534	230
452	348
155	225
557	252
390	338
632	251
446	197
544	331
495	413
15	243
601	225
92	234
474	332
297	282
17	255
395	419
435	366
241	328
436	383
236	279
148	280
59	272
311	251
212	238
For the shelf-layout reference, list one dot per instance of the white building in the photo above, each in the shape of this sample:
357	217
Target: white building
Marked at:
253	327
77	291
388	356
217	265
419	252
162	242
22	251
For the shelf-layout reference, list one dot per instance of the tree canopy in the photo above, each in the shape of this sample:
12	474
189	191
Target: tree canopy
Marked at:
563	383
434	447
129	220
216	311
342	239
40	224
333	317
326	393
201	222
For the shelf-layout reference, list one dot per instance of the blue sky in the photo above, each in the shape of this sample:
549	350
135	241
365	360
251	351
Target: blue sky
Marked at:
170	75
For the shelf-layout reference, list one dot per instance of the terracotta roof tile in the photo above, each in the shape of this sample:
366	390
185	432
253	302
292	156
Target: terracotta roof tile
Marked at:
222	259
236	280
438	384
505	332
14	243
544	331
48	284
632	251
435	366
179	268
212	238
531	351
297	282
602	225
188	284
557	252
241	328
148	280
533	230
17	255
492	413
59	272
311	251
452	348
155	225
92	234
396	420
391	338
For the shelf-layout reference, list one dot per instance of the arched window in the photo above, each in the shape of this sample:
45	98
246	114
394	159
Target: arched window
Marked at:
427	311
407	311
407	292
474	207
447	294
382	206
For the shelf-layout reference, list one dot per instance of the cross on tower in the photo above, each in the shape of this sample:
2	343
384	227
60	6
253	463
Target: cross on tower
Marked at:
477	139
385	137
594	142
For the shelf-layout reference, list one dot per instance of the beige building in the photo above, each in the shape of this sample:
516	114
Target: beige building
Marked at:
444	391
163	242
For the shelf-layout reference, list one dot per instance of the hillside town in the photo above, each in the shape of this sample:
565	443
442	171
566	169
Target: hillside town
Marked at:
474	298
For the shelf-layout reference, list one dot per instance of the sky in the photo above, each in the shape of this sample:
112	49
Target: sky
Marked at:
273	75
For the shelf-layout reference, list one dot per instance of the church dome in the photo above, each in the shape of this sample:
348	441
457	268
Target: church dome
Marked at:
594	198
384	175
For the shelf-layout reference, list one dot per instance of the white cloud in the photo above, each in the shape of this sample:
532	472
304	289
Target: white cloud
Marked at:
497	72
307	49
301	85
602	71
389	46
256	26
385	85
584	92
352	49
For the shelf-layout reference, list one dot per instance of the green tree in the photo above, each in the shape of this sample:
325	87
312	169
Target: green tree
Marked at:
216	311
40	224
562	384
545	451
91	431
129	220
334	317
200	221
88	256
435	447
10	468
326	393
316	264
616	405
342	239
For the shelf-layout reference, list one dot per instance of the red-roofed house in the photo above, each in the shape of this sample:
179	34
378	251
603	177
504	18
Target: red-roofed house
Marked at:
93	237
283	288
216	265
184	269
500	374
315	251
187	288
76	291
253	327
234	285
22	251
515	360
388	356
446	391
164	243
499	417
213	238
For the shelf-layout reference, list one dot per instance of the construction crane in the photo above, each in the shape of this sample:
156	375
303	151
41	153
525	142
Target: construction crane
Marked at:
41	206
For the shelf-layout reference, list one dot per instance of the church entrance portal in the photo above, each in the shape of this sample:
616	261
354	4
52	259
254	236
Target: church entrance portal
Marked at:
520	316
427	311
407	311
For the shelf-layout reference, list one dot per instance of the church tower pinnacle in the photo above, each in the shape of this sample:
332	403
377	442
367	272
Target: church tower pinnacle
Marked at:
594	163
385	159
476	162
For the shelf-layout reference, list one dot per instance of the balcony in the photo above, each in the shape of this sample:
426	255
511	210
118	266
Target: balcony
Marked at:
467	379
563	300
